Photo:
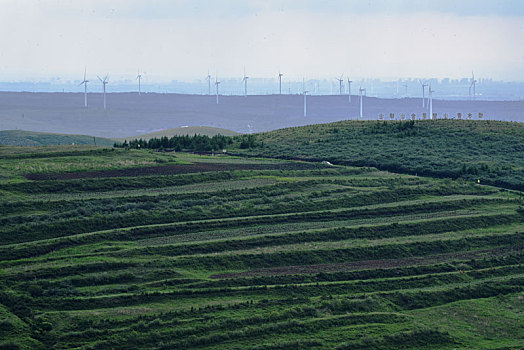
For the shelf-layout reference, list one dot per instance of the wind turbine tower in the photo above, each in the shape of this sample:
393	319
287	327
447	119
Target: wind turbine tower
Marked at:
85	87
208	78
280	82
423	84
104	82
305	97
244	80
361	91
349	90
430	92
473	84
216	84
139	77
340	80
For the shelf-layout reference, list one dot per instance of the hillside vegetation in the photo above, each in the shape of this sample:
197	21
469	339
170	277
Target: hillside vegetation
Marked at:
32	138
182	131
489	151
138	249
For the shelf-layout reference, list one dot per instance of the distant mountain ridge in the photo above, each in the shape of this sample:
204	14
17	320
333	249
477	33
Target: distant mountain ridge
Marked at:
128	115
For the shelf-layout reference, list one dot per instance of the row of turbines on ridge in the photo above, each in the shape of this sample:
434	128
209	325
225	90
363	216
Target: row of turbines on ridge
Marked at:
362	91
104	82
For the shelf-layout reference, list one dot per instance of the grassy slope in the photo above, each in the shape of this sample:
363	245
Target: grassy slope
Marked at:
487	150
15	162
287	255
190	130
32	138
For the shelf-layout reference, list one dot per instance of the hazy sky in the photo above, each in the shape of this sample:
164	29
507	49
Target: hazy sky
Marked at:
183	39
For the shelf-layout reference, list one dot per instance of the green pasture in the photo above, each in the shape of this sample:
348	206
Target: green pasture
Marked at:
258	252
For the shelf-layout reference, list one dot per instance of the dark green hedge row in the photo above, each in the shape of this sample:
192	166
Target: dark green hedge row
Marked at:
403	340
513	257
77	269
93	215
405	300
23	233
114	203
145	334
410	249
180	329
421	299
291	326
114	183
336	234
313	257
410	300
155	181
93	152
93	224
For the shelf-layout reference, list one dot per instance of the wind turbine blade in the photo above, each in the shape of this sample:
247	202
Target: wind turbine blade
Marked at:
100	79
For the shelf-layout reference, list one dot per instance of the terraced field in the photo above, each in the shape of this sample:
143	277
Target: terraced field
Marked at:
99	251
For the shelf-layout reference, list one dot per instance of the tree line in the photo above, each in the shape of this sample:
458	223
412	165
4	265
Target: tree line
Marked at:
196	143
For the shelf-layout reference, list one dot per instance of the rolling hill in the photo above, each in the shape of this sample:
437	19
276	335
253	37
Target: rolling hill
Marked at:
491	152
185	130
32	138
137	249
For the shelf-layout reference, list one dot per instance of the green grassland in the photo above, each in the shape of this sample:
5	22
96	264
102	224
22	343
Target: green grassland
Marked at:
139	249
489	151
33	138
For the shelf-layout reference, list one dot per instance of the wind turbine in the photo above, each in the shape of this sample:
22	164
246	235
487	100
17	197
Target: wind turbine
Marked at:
430	92
139	77
85	87
361	90
473	84
423	84
104	82
305	95
349	89
340	80
244	80
280	82
208	78
216	84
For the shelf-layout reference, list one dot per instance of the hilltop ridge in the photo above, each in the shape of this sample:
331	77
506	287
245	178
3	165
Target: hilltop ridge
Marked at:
489	152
